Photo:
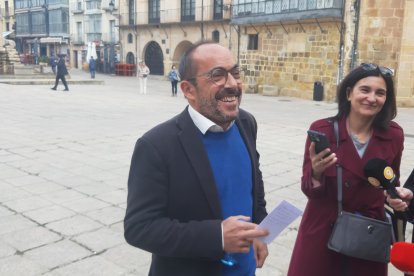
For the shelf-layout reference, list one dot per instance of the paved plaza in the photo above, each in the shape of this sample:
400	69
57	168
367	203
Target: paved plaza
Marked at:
64	163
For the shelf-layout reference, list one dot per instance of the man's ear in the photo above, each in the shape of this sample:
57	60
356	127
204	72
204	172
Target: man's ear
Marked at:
188	89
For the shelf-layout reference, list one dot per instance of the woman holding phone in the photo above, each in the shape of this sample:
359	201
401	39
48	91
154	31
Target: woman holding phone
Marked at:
366	108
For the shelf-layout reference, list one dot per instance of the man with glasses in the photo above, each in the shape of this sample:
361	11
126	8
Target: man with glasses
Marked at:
195	190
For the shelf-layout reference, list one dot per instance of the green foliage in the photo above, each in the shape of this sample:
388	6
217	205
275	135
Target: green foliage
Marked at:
44	59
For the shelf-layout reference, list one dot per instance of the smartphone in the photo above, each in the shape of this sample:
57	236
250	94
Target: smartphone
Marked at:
321	142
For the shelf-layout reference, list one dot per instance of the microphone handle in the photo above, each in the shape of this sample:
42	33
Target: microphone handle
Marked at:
407	215
393	193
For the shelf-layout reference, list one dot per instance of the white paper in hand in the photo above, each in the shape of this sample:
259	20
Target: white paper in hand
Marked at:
275	222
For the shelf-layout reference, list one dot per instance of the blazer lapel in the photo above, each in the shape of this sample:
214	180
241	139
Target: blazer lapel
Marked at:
192	144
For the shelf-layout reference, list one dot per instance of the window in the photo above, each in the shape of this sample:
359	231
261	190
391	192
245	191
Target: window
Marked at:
154	11
79	32
7	26
38	23
253	42
131	14
187	10
94	23
129	38
22	23
112	31
94	32
215	36
218	9
58	21
93	5
21	4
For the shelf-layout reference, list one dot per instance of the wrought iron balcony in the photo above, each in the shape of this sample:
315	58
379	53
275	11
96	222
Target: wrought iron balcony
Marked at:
176	16
264	11
94	36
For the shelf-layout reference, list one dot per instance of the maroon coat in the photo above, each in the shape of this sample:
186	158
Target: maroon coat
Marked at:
311	256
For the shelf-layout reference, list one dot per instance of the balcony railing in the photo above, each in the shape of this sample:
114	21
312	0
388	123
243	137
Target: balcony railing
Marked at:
107	37
78	40
279	10
94	37
207	13
4	13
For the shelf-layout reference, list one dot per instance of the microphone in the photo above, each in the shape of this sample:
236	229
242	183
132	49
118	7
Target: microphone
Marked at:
380	175
402	257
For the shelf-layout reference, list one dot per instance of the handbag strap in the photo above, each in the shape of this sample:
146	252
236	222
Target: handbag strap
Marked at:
338	170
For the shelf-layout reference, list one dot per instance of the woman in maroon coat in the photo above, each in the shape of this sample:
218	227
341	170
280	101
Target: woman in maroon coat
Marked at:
366	106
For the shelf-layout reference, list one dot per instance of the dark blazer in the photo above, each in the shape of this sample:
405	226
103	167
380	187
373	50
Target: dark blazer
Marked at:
61	67
311	255
173	207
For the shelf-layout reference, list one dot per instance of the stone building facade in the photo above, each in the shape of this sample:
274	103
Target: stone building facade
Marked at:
285	47
292	56
385	37
159	32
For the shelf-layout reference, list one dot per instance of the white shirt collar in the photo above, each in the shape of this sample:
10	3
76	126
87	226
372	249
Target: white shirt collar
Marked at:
204	124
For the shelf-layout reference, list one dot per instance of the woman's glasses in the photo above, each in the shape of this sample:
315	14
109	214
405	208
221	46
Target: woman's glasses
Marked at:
387	72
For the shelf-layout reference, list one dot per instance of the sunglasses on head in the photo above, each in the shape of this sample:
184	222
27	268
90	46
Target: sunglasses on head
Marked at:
387	72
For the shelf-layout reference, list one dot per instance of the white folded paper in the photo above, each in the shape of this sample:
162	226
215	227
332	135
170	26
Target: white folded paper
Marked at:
275	222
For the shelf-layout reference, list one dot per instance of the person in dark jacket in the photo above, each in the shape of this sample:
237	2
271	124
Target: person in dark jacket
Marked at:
174	79
195	190
61	72
53	63
406	201
92	67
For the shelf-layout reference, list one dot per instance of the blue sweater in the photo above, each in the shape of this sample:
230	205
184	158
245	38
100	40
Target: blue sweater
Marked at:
232	169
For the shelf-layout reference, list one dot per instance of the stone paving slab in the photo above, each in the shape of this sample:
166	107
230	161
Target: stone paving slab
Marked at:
64	164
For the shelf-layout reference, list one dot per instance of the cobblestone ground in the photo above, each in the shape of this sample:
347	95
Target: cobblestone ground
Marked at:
64	161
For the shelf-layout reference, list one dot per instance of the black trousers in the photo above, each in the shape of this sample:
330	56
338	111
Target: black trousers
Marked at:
174	87
62	77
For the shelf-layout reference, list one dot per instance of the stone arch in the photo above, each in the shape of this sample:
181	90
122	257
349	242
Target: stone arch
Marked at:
130	58
154	58
180	50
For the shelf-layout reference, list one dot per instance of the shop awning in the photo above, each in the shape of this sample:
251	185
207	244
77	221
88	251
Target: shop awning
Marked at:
51	40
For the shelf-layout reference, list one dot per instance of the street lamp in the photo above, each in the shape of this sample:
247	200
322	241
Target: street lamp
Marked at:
111	6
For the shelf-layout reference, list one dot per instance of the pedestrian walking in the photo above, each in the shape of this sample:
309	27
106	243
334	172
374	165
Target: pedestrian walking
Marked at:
174	79
61	72
53	62
143	72
92	67
195	189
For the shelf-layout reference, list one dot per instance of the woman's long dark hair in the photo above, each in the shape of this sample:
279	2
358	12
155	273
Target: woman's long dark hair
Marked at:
388	111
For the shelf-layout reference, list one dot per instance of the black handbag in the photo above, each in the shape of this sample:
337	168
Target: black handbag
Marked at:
358	236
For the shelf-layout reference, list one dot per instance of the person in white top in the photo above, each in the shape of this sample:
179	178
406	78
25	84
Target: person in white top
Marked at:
142	73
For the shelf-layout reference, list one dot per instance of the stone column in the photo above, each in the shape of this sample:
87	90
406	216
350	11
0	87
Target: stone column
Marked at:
405	71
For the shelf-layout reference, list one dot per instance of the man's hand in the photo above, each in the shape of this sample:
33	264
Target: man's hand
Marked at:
239	234
260	252
400	204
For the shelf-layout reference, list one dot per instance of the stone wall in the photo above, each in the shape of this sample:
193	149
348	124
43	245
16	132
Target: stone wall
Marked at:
292	61
386	38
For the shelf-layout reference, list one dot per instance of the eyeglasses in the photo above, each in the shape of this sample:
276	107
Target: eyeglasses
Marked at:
219	75
385	71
